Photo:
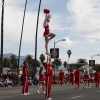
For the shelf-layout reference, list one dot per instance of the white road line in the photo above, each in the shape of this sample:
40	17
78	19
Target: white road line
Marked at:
76	97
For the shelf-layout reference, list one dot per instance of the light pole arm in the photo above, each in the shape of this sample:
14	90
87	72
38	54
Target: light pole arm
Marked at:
57	41
94	55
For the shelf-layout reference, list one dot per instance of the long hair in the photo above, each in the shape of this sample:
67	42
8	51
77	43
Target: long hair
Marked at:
41	68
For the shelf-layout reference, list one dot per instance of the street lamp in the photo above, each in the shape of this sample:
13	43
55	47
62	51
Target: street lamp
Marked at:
94	55
54	55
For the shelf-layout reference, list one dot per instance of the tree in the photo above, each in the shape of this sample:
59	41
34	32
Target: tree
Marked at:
57	62
81	60
6	62
31	63
65	64
13	59
69	52
96	67
29	58
42	58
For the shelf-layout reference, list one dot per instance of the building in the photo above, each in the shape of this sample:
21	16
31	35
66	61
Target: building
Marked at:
7	70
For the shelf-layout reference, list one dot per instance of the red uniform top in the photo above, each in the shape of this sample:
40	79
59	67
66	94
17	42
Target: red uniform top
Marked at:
77	74
25	71
47	29
96	75
49	71
61	75
99	75
71	75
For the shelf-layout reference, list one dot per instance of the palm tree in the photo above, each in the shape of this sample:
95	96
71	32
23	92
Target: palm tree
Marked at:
31	63
69	52
96	67
6	62
29	58
13	59
42	58
57	63
65	64
80	60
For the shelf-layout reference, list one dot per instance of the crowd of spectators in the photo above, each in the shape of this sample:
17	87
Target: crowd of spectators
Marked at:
10	80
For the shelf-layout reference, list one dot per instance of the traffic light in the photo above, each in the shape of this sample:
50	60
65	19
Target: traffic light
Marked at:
54	52
91	62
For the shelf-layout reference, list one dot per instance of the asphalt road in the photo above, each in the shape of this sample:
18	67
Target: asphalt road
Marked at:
64	92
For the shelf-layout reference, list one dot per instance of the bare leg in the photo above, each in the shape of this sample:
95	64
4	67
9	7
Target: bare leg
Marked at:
46	45
51	35
85	83
88	84
49	60
43	87
39	86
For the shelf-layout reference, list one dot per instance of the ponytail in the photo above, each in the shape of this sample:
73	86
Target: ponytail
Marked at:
41	68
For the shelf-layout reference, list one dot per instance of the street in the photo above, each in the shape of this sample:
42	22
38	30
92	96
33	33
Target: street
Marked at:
64	92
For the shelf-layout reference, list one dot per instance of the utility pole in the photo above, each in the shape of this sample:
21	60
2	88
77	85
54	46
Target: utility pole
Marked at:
2	32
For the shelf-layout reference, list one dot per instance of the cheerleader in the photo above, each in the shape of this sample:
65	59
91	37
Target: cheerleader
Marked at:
71	75
41	80
77	78
47	34
25	78
96	78
49	72
86	79
61	77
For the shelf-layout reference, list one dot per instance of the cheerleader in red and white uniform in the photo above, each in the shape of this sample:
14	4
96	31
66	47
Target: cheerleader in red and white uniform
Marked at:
61	77
86	79
25	78
71	75
49	72
96	78
47	34
41	81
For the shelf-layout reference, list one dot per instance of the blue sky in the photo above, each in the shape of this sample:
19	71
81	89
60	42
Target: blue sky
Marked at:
77	21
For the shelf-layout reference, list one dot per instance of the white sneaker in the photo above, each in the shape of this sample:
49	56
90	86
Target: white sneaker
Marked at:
85	87
24	94
48	98
89	87
38	92
79	87
44	92
28	93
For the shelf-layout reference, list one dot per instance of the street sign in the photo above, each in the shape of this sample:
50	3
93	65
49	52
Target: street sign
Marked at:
54	52
91	62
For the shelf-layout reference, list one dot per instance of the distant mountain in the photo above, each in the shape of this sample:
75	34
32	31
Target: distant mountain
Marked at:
9	54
